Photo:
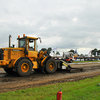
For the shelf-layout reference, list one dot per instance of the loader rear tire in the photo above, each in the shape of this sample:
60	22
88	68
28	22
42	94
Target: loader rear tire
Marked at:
51	66
24	67
9	70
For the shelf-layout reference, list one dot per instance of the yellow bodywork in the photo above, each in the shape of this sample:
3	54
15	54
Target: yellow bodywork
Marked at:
4	62
32	54
10	56
43	61
35	65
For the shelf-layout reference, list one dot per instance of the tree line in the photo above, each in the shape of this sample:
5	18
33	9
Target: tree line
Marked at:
49	51
93	52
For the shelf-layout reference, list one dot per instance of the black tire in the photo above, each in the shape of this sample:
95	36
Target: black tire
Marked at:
9	70
51	66
24	67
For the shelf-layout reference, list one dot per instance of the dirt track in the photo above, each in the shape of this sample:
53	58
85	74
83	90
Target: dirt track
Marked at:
14	82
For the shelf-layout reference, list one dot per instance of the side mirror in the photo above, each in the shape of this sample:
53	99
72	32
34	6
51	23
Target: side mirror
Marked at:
40	39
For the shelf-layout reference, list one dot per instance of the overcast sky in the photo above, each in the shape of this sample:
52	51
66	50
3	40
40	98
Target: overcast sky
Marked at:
65	24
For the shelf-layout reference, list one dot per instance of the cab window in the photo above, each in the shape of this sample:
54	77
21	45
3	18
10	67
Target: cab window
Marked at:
22	43
31	45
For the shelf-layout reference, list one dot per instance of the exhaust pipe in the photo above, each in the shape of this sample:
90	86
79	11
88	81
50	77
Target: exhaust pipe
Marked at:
9	41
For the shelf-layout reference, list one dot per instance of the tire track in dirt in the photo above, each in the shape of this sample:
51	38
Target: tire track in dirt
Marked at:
13	82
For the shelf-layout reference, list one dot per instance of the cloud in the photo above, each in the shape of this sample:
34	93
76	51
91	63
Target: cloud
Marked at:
61	23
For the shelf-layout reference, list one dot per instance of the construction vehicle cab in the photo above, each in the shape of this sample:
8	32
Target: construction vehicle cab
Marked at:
25	57
30	46
27	42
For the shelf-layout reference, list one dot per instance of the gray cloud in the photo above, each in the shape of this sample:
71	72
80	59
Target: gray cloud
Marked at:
69	24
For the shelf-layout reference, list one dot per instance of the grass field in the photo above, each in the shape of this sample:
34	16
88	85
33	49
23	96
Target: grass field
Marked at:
86	61
81	90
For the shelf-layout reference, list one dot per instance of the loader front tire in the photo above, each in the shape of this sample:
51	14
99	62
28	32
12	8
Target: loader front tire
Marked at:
24	67
51	66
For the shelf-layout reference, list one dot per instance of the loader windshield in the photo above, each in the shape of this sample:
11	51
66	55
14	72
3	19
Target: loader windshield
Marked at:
22	43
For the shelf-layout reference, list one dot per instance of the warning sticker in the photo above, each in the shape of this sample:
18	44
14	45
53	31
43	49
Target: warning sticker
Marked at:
65	64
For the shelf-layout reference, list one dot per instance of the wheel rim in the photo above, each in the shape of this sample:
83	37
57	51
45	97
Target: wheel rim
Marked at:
24	67
51	65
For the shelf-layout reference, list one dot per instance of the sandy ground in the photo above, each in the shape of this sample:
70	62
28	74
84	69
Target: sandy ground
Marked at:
14	82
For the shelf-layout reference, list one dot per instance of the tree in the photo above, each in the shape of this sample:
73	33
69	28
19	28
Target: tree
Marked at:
57	53
71	50
98	52
43	49
81	55
94	51
48	50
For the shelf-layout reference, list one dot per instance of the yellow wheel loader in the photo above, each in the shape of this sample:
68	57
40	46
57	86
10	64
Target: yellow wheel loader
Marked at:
25	57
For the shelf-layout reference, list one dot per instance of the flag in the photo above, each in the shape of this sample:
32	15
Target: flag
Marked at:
54	49
75	51
90	51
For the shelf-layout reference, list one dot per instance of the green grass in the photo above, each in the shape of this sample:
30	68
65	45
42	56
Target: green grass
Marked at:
86	61
81	90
